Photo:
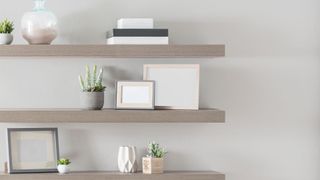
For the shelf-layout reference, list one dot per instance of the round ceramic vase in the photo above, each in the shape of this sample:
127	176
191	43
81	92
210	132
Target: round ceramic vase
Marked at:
40	25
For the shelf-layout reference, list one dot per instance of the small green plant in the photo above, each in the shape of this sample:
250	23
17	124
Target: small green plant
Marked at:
6	27
155	151
92	82
64	161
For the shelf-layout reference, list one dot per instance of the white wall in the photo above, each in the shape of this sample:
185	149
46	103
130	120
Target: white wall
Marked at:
269	85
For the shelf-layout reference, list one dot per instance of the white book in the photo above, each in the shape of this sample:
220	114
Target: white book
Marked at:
135	23
138	40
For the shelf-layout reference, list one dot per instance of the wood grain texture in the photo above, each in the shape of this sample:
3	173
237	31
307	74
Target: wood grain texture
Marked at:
115	51
117	176
112	116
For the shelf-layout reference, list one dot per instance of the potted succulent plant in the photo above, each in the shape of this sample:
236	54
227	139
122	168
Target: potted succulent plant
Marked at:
92	95
153	162
63	166
6	28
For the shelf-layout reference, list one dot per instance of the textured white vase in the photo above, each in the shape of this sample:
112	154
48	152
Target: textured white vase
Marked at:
127	159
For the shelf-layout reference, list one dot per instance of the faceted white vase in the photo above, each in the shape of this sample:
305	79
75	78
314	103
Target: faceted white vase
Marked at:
127	159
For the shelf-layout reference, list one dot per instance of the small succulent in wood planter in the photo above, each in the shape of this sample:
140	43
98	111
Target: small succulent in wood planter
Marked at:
6	28
63	166
153	162
92	95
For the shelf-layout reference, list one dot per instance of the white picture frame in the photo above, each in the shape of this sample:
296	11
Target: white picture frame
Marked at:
135	94
32	150
177	85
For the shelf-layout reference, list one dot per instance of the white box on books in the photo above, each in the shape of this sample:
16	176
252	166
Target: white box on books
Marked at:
138	40
135	23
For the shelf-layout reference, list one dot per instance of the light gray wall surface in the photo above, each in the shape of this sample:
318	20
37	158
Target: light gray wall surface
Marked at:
269	85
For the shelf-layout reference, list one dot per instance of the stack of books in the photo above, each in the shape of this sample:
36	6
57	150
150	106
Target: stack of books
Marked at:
137	31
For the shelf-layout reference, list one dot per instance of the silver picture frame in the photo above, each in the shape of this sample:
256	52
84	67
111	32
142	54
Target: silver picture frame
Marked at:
32	150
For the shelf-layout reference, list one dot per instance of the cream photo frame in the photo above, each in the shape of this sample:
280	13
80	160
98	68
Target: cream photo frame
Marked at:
135	95
177	85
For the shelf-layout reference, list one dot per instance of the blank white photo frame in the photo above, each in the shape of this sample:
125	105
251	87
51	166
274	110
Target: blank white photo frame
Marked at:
176	85
135	95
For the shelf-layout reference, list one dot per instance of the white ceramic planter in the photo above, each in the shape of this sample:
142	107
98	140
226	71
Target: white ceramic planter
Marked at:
127	159
6	39
63	169
92	100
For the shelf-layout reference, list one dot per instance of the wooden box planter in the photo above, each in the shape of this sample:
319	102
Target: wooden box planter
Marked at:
152	165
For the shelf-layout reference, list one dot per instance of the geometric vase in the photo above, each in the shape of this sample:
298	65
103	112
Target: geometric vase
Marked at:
127	159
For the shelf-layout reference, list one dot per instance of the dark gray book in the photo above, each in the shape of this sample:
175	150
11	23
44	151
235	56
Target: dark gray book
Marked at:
138	33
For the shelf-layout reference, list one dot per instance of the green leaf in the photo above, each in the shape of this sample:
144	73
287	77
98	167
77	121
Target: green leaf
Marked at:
64	162
81	83
154	150
88	77
92	83
94	78
6	26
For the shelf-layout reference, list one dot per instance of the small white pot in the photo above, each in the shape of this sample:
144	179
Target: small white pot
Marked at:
63	169
6	39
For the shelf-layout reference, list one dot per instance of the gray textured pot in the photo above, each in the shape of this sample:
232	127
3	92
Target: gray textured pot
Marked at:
92	100
6	39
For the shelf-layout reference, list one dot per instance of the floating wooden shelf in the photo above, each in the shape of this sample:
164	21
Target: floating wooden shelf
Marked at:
112	116
115	51
118	176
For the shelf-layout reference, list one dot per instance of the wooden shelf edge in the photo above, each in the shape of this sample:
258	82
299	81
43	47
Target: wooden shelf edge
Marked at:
111	116
115	51
173	175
